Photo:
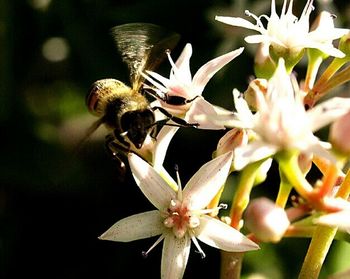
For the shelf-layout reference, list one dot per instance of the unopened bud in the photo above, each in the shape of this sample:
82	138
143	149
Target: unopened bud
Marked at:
264	66
255	85
266	220
340	134
231	140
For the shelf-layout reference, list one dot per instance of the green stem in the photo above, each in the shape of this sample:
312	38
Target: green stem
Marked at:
315	58
283	191
317	91
336	80
344	190
288	163
335	65
241	197
317	252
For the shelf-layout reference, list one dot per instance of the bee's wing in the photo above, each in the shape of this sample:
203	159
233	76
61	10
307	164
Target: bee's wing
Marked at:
142	46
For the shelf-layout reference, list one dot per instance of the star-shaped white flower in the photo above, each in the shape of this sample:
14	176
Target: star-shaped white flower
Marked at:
181	84
281	122
289	32
180	216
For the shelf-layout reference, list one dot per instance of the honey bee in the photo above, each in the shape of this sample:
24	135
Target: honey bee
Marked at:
125	109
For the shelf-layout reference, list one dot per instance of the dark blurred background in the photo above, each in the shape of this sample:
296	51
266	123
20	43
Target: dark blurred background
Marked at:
56	198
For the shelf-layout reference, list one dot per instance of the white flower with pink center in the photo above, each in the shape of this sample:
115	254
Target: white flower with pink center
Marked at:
181	216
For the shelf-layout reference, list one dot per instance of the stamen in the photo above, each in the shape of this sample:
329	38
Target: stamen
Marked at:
174	68
308	8
200	251
167	52
257	19
179	191
222	206
193	222
145	253
154	82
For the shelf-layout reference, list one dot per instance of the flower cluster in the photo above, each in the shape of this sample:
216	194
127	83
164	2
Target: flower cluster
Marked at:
275	118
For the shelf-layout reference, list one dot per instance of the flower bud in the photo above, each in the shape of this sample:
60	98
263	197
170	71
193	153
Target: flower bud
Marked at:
264	66
266	220
339	134
255	85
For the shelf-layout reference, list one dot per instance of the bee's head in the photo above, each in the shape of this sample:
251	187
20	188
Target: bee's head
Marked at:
137	124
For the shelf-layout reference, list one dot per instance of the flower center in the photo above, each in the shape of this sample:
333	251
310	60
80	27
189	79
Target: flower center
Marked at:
179	218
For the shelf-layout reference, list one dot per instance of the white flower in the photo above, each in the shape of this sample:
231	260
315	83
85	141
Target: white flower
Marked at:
281	122
287	31
340	219
181	84
180	216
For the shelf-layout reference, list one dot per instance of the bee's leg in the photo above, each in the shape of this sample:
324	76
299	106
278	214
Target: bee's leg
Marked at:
116	150
119	136
171	99
154	131
179	121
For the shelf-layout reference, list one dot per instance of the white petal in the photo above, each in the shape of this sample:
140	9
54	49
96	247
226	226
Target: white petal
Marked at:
206	182
222	118
330	35
339	219
175	256
253	152
152	185
183	64
202	107
138	226
208	70
328	111
319	150
257	39
325	48
220	235
237	21
243	112
163	140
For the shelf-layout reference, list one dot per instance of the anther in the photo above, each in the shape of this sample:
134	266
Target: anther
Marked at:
223	206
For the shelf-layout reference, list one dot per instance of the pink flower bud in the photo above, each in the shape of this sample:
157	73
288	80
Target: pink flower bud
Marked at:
267	221
340	134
